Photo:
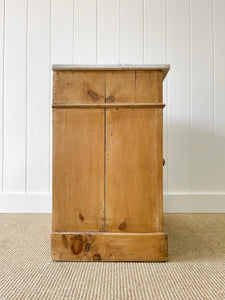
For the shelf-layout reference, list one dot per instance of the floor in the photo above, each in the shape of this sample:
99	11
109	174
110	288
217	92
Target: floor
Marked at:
195	270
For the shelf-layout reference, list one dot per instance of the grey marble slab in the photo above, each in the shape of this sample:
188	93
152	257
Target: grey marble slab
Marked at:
164	67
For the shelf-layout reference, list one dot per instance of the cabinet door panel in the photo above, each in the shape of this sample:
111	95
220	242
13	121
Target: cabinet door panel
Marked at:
133	199
78	169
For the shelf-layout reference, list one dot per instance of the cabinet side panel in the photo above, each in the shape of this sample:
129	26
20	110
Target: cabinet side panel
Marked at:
148	86
79	87
133	170
78	170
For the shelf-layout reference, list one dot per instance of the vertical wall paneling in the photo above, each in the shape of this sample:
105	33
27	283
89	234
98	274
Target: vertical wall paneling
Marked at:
155	31
132	13
2	35
62	44
38	96
179	150
108	29
219	88
62	32
202	95
50	100
187	34
85	31
15	96
155	52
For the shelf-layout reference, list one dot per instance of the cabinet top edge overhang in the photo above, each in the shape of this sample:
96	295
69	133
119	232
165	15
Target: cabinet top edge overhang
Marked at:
112	67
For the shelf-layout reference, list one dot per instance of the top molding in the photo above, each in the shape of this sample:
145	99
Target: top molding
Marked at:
96	67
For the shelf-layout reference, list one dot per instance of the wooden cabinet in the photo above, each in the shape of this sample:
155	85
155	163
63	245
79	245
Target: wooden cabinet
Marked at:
108	163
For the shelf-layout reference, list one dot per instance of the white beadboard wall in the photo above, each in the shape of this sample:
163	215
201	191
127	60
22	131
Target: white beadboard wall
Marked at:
187	34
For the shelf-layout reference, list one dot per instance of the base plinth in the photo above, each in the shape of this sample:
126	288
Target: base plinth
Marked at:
109	246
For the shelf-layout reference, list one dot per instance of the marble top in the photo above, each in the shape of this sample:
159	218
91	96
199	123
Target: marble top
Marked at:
164	67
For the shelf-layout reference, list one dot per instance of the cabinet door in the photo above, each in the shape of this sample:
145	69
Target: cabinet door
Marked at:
78	169
133	199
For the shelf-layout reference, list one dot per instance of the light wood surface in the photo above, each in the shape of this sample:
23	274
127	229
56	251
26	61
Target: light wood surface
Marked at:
120	86
148	86
78	170
133	170
92	246
134	86
78	87
108	165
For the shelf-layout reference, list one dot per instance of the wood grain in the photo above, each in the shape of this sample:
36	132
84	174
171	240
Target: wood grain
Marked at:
79	87
133	170
78	246
134	86
108	166
78	170
148	86
120	86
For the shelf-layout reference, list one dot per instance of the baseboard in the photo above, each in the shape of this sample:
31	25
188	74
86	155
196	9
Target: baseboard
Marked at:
194	203
25	203
173	203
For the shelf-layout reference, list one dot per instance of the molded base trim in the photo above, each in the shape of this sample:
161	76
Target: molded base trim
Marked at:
109	246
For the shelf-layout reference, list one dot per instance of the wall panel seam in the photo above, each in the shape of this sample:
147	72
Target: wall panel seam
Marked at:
26	102
3	94
190	49
167	102
50	94
143	25
75	48
96	17
73	34
213	40
120	31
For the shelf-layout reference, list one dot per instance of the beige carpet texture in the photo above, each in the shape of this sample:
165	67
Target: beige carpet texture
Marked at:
195	270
